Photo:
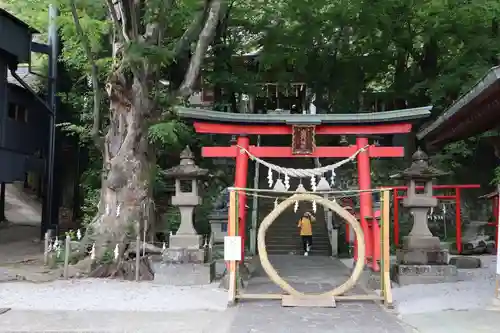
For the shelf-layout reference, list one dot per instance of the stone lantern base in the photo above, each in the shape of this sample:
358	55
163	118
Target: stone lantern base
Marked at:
422	261
184	267
184	263
423	274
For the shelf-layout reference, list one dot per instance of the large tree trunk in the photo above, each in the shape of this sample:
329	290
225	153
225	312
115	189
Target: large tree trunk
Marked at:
125	194
126	205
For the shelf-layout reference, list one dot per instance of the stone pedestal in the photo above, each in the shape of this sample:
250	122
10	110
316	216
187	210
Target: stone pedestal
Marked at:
185	241
184	267
184	256
422	257
423	265
416	241
184	274
423	274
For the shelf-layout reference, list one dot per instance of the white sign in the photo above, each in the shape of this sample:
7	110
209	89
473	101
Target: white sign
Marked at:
232	248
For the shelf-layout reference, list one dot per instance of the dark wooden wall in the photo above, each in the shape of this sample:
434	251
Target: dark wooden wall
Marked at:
23	134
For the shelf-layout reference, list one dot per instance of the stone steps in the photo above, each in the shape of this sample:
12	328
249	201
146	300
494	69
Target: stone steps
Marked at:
283	237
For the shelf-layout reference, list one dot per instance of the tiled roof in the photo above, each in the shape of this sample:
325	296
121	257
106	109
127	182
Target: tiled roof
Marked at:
337	118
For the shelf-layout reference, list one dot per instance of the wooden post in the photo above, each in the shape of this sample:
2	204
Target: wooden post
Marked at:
46	243
497	280
386	251
458	219
137	251
67	251
231	230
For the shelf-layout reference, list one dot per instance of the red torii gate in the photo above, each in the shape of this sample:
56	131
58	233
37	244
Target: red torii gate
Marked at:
361	132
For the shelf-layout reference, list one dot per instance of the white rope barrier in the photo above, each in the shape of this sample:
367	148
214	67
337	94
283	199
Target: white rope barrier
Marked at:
303	173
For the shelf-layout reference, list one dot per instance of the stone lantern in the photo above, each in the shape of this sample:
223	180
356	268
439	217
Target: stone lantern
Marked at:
421	259
186	197
183	263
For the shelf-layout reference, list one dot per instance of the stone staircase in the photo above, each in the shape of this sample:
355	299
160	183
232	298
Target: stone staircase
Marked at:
283	237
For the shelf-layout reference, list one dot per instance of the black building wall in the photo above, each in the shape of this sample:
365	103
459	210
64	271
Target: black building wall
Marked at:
24	134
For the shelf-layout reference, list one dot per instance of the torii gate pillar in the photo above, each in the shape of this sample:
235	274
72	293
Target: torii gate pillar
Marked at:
240	180
366	204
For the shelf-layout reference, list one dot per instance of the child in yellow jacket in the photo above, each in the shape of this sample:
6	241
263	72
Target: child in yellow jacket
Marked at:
305	225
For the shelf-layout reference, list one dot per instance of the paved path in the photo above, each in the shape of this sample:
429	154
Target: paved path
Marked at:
310	274
465	321
197	321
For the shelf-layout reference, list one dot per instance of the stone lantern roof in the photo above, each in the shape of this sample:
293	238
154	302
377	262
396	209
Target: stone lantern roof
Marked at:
186	168
420	168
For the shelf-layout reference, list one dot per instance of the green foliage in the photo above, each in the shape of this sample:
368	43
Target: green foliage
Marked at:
415	52
172	133
496	176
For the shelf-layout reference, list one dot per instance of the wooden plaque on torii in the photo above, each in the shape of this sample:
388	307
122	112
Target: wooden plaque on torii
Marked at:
303	139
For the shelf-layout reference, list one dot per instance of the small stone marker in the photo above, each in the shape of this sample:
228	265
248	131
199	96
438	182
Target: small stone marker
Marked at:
232	248
308	301
466	262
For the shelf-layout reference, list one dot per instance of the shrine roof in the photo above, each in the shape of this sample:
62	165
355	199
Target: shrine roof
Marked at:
6	14
394	116
473	113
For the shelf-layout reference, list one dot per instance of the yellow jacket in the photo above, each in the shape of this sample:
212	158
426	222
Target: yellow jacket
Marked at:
305	226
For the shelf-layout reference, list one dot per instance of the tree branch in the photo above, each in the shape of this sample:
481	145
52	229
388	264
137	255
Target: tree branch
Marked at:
94	73
134	25
116	22
206	35
153	29
192	32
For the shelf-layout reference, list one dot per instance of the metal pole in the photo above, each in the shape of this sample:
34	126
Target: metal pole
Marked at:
255	207
49	216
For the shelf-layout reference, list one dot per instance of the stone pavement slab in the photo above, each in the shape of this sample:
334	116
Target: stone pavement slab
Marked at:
466	321
310	274
115	321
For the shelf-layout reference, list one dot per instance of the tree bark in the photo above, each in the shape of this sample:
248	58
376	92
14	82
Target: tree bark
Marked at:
126	206
125	193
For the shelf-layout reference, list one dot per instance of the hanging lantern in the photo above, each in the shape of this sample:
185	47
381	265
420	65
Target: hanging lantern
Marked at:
279	186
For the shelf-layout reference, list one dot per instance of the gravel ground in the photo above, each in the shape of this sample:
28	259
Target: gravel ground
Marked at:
474	291
109	295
